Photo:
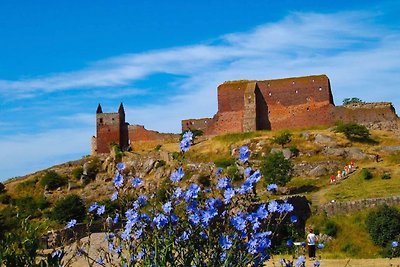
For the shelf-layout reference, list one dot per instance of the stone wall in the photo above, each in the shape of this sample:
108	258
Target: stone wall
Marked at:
334	208
198	124
139	133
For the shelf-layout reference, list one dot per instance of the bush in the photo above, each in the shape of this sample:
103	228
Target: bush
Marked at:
295	151
224	162
53	180
366	174
30	206
352	100
383	225
331	228
29	184
282	139
204	180
2	188
77	172
93	168
386	176
353	131
160	163
276	169
70	207
5	199
233	173
158	147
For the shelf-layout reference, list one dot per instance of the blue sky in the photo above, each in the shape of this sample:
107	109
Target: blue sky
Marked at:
164	60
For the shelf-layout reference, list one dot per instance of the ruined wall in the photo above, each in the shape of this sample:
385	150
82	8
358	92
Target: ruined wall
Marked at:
297	102
198	124
365	113
139	133
108	131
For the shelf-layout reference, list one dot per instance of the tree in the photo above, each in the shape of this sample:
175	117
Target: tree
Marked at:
70	207
282	139
353	131
383	225
276	169
352	100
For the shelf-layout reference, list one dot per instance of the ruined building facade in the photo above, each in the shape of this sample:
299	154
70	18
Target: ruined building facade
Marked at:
297	102
245	106
111	128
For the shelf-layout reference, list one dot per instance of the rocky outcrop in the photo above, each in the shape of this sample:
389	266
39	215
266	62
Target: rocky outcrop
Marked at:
320	168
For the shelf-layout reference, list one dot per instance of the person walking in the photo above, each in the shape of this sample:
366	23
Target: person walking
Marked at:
311	240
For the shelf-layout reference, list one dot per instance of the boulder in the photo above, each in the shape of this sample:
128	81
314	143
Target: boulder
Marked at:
72	186
390	149
285	151
319	171
355	153
321	138
306	135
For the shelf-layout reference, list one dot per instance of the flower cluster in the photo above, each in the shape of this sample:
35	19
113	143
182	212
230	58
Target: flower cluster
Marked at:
225	225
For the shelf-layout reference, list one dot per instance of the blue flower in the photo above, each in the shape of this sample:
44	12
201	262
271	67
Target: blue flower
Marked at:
320	246
247	171
114	196
286	207
293	219
177	175
174	218
101	210
192	192
238	223
194	219
185	236
228	195
167	207
272	187
71	224
177	193
218	172
273	206
289	243
225	242
191	206
208	215
118	249
100	261
138	233
262	212
184	145
142	200
255	177
120	166
118	180
247	186
136	181
160	220
56	253
224	183
395	244
132	215
188	136
115	220
317	263
300	260
207	190
244	153
93	207
203	235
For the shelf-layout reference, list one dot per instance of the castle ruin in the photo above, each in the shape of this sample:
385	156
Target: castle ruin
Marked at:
245	106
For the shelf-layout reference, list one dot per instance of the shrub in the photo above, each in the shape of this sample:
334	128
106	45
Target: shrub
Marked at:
5	199
386	176
276	169
295	151
160	163
233	173
366	174
31	206
77	172
224	162
2	188
53	180
70	207
353	131
93	168
204	180
158	147
28	184
331	228
352	100
383	225
282	139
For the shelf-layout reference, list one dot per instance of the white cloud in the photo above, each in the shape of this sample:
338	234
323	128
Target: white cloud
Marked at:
360	56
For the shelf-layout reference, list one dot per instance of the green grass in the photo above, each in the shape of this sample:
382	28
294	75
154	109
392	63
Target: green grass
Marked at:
355	187
236	137
352	239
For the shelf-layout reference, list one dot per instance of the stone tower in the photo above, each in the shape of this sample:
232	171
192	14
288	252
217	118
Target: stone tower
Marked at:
111	128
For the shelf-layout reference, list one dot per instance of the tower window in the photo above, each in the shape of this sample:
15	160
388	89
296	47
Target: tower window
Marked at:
308	108
101	120
270	94
320	88
297	91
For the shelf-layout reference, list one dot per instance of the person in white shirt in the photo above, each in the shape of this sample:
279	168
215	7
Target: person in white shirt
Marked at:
311	241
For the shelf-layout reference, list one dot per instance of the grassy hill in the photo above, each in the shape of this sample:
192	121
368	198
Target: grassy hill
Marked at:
27	196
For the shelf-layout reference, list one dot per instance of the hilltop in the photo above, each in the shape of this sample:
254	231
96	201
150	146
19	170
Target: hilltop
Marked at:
316	154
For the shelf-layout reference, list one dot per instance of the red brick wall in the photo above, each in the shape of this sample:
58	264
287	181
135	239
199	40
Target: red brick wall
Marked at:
108	131
198	124
139	133
365	113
